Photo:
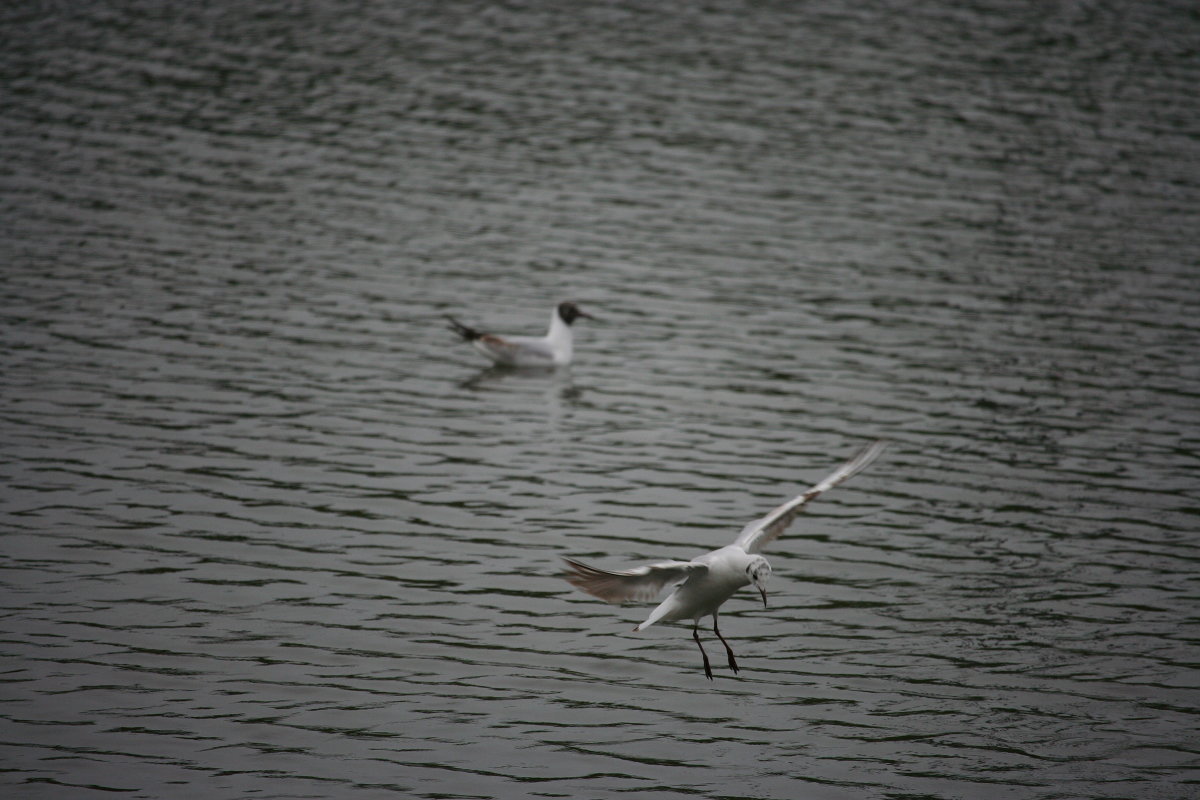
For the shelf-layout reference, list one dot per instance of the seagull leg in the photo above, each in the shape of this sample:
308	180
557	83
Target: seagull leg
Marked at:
704	655
729	650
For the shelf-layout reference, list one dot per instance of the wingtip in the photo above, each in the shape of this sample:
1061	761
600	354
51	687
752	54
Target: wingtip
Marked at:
466	332
875	446
866	456
574	569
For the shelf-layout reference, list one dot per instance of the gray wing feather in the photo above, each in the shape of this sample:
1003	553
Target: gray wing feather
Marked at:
639	583
513	348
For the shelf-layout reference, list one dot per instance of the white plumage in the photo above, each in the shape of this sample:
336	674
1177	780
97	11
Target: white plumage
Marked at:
703	584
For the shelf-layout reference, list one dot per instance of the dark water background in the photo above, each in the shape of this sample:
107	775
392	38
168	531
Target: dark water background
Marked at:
268	532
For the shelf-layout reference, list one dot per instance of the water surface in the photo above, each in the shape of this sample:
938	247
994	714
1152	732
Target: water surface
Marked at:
268	531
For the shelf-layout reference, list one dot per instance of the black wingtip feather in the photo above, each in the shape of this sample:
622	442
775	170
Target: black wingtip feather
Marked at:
467	333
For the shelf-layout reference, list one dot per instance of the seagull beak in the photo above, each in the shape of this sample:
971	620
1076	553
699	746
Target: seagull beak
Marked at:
585	315
763	592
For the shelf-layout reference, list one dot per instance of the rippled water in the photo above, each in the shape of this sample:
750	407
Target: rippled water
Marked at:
269	532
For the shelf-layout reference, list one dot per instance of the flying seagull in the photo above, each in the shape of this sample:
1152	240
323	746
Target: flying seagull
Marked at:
707	581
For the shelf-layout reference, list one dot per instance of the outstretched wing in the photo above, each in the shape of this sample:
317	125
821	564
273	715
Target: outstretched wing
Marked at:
639	583
759	533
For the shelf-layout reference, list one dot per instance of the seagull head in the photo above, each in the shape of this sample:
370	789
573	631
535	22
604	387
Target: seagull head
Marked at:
758	570
569	312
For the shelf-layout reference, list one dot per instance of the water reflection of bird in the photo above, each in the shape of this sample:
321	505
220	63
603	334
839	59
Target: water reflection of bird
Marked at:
705	582
555	349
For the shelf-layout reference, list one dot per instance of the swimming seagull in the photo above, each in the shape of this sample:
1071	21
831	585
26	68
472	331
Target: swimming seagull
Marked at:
552	350
705	582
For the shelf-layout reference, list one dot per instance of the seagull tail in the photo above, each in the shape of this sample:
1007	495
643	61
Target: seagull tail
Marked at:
656	614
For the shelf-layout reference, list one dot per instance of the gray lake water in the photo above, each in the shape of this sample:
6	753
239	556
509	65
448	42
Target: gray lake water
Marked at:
269	531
